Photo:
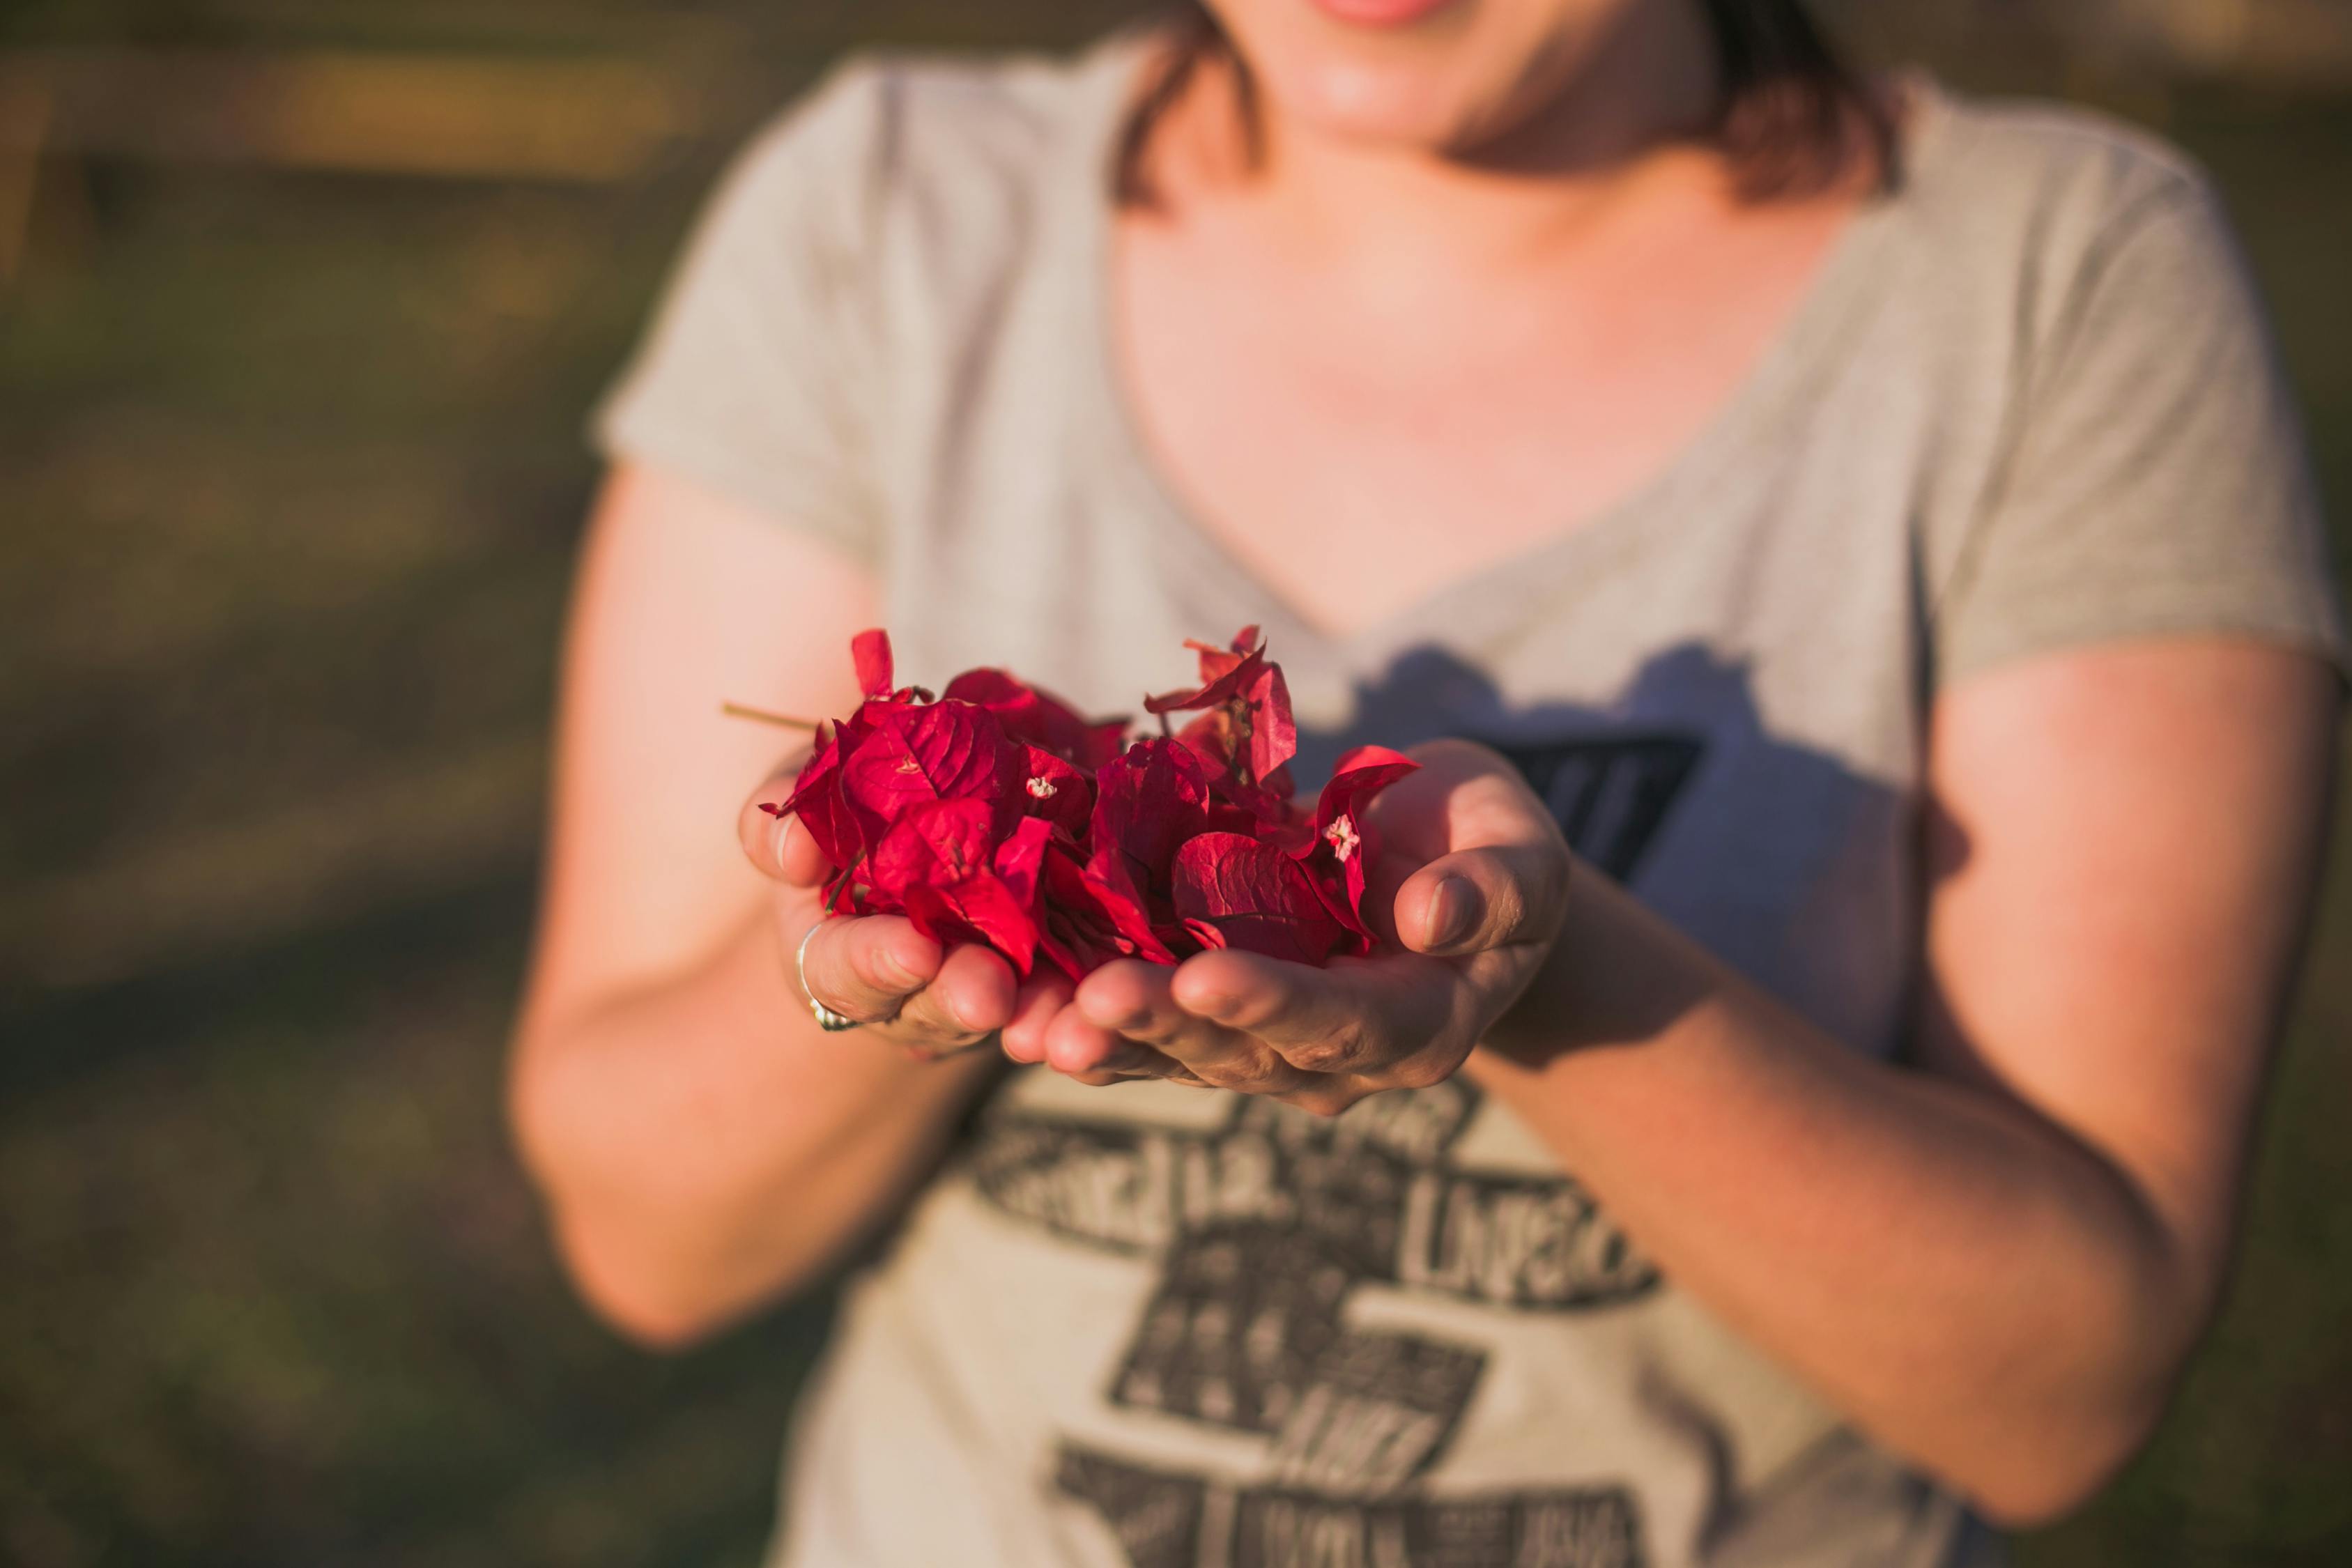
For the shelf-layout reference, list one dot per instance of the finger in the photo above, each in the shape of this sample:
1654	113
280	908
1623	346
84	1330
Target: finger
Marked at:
1132	999
1033	1011
971	998
1359	1015
1135	1001
780	847
865	967
1476	901
1088	1052
1137	1063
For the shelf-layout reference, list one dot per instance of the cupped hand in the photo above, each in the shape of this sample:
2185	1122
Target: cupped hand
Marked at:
1472	877
903	987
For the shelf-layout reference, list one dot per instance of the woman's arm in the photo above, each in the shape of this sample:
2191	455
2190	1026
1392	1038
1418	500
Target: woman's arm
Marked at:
700	1143
1995	1258
1996	1262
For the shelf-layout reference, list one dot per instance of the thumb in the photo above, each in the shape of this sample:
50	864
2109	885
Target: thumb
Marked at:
799	862
1475	900
779	846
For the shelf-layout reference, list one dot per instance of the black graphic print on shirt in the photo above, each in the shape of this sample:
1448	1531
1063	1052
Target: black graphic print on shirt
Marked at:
1610	796
1164	1520
1265	1227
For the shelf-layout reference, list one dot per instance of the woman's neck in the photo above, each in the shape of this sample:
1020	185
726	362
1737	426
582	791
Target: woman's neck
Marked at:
1628	117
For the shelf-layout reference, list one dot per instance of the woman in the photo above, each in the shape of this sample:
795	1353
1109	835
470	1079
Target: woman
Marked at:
1859	547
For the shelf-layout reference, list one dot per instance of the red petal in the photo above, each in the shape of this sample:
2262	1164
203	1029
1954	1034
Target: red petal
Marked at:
1147	803
1292	834
871	650
986	908
1273	735
1092	915
816	800
935	843
1247	689
1361	774
1036	715
1214	690
1021	859
1216	661
1210	739
1254	896
936	861
956	916
940	752
1127	907
1073	938
1057	792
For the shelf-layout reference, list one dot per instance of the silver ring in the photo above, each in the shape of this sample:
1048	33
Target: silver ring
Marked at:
831	1022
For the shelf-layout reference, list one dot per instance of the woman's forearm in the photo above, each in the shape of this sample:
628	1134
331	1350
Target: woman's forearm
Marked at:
1967	1282
704	1146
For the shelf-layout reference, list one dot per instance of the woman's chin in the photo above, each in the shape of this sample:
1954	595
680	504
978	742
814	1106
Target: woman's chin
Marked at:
1389	107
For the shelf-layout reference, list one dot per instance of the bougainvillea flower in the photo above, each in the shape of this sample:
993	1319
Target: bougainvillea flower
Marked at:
934	843
1036	715
935	863
1245	734
1336	856
1141	915
1234	891
870	651
1058	793
997	815
817	801
936	751
1020	860
980	909
1211	738
1093	916
1147	801
1225	674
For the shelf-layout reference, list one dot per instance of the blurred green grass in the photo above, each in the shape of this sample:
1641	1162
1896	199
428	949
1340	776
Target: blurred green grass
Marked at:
290	475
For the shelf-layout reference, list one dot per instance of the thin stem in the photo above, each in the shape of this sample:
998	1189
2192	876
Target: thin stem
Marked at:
833	898
737	711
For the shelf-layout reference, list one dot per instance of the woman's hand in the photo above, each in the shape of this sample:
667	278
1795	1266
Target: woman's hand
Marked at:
1472	884
878	969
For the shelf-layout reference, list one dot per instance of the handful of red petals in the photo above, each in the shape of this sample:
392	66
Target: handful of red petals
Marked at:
994	814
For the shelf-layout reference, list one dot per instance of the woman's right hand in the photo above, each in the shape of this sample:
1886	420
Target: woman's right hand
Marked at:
878	969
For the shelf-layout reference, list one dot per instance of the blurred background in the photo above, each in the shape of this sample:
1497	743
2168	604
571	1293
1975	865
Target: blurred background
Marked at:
301	305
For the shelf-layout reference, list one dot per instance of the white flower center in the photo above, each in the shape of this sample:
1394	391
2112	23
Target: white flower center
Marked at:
1343	837
1041	788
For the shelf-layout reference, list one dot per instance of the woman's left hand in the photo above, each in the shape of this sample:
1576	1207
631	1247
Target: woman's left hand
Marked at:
1473	876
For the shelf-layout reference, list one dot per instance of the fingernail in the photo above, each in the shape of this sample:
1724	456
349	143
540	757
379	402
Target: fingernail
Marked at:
1453	912
784	838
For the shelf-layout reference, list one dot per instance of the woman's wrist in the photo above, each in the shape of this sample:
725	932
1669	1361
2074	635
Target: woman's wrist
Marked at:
1615	974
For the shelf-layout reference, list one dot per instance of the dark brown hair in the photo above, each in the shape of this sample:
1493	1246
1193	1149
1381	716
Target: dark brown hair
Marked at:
1788	119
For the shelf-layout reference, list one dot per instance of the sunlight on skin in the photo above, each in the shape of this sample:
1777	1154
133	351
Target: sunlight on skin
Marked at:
879	969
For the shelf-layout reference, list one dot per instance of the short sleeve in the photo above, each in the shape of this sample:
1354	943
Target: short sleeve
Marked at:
2155	481
757	376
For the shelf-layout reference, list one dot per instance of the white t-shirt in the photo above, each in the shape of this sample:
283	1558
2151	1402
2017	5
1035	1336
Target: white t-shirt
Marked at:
2028	403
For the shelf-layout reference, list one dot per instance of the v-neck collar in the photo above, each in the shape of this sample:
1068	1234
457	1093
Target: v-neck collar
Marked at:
1655	513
